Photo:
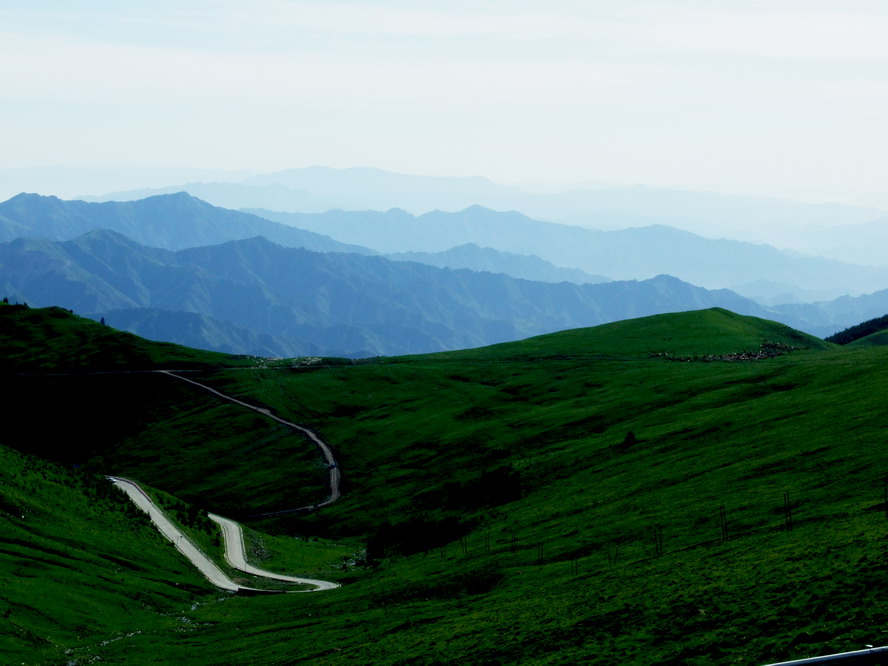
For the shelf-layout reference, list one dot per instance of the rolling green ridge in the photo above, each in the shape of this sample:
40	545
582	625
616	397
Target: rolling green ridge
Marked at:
711	331
630	493
877	339
54	339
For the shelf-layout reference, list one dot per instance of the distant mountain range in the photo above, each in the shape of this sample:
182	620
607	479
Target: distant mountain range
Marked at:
307	294
318	189
473	257
862	243
802	227
203	332
637	253
178	221
174	222
330	303
825	318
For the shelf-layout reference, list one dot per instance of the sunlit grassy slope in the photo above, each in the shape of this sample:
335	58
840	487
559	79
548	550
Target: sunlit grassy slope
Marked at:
713	331
511	517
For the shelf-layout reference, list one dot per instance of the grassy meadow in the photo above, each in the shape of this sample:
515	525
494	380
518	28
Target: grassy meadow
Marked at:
695	488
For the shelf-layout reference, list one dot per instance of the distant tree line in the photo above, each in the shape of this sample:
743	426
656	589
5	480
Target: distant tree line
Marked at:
859	331
15	305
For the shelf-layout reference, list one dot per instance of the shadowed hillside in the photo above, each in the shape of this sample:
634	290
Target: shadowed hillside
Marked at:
58	340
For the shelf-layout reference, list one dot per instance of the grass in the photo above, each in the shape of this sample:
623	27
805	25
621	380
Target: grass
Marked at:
80	565
508	519
223	440
877	339
58	340
308	557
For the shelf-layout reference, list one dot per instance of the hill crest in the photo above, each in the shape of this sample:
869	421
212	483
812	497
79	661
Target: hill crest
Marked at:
712	331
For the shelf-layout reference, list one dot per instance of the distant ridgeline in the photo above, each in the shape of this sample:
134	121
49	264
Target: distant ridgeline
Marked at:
177	269
859	331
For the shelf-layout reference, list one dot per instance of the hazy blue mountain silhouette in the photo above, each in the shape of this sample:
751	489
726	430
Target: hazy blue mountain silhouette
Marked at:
476	258
321	188
351	303
827	317
317	189
198	330
633	253
178	221
171	221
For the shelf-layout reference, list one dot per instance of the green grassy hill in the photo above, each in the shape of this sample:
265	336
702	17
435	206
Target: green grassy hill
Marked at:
697	333
80	566
877	339
90	397
858	332
55	339
631	493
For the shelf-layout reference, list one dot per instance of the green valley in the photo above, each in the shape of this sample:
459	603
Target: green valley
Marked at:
690	488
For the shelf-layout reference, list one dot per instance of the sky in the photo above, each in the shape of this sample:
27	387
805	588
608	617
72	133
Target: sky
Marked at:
779	97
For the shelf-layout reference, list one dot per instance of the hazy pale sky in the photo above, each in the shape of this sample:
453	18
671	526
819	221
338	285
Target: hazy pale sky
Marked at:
779	97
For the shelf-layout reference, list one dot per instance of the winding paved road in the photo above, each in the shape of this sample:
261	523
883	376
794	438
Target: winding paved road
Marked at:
231	531
234	553
325	450
234	550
